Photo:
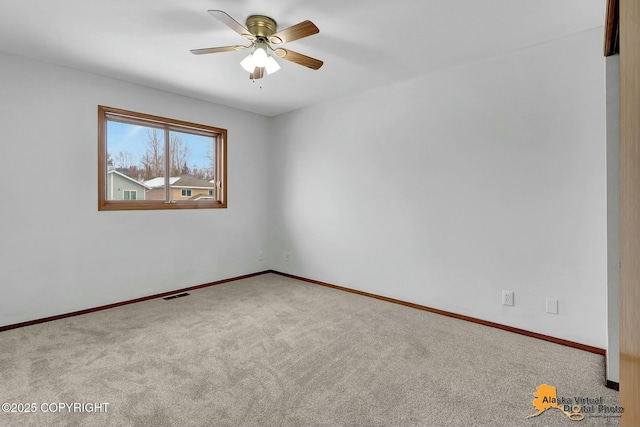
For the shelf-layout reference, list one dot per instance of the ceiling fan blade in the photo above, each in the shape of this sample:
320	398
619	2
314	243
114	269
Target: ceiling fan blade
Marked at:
232	23
218	49
298	31
299	58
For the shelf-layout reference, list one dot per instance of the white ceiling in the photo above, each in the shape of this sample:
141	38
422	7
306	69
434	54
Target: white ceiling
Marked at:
363	43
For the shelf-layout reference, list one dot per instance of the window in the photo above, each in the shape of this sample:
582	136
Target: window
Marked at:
130	195
164	163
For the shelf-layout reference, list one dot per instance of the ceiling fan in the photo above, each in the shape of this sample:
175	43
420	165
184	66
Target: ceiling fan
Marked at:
264	36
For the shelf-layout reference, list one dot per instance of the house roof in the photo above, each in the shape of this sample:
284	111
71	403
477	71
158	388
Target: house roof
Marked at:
142	184
159	181
192	182
200	197
186	181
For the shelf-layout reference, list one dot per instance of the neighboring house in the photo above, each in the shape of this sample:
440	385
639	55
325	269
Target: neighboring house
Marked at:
185	187
122	187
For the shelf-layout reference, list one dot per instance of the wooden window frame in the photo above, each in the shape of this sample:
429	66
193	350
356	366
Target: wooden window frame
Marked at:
220	146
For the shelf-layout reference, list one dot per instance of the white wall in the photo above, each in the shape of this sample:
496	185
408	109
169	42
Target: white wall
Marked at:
613	216
57	252
446	189
442	191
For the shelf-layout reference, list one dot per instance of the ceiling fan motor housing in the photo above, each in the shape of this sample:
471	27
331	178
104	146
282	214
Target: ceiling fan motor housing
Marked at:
261	26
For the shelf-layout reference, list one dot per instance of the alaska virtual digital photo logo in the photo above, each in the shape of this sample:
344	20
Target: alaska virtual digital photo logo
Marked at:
575	408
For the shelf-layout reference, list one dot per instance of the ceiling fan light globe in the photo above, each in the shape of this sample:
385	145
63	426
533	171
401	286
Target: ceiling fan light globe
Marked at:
272	65
260	57
248	63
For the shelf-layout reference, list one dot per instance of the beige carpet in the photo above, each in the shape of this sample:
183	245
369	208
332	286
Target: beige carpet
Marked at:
275	351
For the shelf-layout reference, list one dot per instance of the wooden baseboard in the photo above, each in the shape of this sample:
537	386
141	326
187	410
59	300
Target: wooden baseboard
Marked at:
561	341
132	301
567	343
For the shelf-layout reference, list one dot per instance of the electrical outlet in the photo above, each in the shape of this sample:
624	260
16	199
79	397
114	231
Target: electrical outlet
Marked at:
552	306
507	297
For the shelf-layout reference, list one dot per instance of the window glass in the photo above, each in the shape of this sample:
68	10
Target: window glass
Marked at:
150	162
192	162
135	154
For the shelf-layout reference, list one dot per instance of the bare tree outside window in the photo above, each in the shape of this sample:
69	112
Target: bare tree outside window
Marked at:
152	161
